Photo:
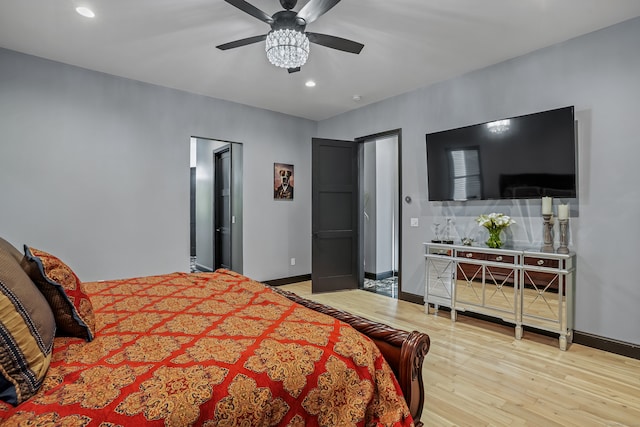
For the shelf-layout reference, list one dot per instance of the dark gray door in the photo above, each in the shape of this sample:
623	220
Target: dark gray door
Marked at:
222	208
335	227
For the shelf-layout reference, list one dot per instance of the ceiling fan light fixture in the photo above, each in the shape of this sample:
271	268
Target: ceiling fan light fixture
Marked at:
287	48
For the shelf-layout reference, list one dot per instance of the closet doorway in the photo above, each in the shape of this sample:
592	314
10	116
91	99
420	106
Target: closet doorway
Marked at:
381	218
216	205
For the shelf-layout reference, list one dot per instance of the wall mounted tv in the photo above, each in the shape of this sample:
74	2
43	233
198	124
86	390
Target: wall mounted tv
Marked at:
523	157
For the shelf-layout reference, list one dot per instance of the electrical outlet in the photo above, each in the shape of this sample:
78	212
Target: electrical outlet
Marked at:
293	261
415	222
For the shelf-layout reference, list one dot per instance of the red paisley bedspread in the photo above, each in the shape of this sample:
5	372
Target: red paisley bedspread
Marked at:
211	349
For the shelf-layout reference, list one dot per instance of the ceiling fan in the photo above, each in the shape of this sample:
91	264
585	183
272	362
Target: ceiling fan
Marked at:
287	44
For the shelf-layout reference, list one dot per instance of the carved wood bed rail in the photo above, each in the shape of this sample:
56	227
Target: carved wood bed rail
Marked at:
404	351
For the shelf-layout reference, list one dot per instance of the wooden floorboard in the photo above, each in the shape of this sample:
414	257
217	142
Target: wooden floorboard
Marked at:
478	374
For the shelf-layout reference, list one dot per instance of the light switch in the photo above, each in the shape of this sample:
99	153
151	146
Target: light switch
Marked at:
415	222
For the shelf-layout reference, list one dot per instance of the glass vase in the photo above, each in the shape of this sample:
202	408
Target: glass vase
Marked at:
494	238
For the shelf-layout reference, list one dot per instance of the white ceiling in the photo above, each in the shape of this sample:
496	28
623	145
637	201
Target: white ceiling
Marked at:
408	44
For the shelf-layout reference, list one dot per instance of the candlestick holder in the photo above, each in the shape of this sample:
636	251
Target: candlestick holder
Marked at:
547	235
564	241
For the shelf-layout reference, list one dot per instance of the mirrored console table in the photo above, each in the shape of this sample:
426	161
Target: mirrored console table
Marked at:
522	287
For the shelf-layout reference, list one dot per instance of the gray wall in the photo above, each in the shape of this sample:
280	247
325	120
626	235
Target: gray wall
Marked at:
599	74
95	169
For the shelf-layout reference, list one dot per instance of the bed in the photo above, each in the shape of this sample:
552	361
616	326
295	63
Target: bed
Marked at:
218	349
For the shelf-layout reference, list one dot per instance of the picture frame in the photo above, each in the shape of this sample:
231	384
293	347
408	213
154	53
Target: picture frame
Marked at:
283	181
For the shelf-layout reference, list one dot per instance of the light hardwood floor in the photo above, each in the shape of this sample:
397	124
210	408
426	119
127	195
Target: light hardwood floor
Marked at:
477	374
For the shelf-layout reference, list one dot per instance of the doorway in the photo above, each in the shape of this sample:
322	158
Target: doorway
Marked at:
216	205
380	201
338	218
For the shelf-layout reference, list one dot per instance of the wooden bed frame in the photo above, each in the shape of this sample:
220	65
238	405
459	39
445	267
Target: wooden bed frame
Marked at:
404	351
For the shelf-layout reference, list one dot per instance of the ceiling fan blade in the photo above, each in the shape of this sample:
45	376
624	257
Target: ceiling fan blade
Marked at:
315	8
335	42
243	42
251	10
293	70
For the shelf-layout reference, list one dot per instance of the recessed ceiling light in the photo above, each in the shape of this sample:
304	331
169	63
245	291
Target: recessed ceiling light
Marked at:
85	11
310	83
356	98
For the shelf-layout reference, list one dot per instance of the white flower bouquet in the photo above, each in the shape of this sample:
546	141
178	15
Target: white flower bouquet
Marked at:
495	223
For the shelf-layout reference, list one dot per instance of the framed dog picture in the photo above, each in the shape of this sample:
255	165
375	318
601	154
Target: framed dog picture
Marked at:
282	181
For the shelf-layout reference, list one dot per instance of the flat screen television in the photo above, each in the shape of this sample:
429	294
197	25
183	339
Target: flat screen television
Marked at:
522	157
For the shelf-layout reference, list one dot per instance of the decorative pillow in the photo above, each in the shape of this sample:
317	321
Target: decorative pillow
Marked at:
63	290
27	329
9	249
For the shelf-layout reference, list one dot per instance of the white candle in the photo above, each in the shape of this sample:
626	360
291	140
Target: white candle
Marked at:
563	211
546	205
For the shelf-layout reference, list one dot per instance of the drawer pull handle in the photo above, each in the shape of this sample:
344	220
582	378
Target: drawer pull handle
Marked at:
540	262
499	258
469	255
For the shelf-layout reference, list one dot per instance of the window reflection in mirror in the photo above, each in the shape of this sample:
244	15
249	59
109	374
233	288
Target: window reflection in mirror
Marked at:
464	165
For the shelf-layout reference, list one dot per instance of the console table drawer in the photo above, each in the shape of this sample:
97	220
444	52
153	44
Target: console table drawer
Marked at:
501	258
471	255
541	262
508	259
